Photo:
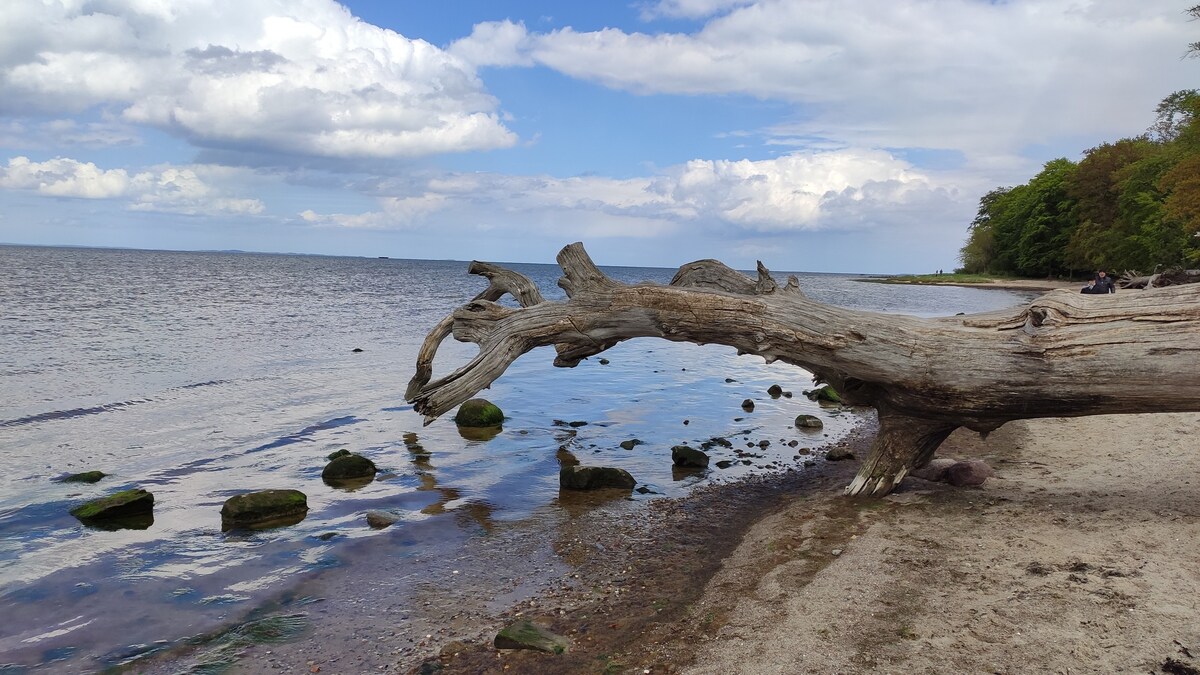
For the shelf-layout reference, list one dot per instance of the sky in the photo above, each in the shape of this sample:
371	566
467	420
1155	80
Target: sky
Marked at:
814	135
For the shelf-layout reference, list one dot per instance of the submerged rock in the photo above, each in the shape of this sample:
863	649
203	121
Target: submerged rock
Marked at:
382	519
84	477
683	455
347	467
525	634
264	509
124	504
479	412
809	422
594	478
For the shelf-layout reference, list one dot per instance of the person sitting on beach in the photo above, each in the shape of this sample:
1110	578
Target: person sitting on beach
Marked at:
1105	283
1092	288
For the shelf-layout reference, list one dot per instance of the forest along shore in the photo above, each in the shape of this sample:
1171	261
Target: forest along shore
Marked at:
1033	285
1078	554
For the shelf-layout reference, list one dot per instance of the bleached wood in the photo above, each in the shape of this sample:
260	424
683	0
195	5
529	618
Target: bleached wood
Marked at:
1063	354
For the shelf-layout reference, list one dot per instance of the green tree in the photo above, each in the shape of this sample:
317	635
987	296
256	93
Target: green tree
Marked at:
979	253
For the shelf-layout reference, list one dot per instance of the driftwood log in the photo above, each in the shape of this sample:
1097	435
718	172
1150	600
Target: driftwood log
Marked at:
1171	277
1063	354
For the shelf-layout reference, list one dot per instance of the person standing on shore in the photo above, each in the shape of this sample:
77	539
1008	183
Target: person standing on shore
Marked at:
1104	283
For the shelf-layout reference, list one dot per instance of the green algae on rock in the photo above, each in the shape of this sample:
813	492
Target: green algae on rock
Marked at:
83	477
124	504
479	412
525	634
264	509
347	467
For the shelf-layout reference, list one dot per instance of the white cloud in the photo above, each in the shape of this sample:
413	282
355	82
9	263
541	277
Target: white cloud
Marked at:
987	78
837	190
690	9
167	188
297	78
59	133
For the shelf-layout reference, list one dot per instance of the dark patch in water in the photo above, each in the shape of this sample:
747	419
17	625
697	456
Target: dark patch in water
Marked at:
304	433
68	414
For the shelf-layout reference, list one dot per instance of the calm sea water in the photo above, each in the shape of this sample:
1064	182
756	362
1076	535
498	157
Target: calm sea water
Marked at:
199	376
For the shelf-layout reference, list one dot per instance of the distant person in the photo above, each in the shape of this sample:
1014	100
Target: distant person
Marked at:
1105	283
1092	288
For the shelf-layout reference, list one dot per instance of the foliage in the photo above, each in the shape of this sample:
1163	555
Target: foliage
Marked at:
1131	204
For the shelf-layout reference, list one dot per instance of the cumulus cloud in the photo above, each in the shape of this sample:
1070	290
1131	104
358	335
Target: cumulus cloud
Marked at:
168	189
297	78
988	78
837	190
690	9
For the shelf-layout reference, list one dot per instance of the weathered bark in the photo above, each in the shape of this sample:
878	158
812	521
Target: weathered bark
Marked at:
1171	277
1064	354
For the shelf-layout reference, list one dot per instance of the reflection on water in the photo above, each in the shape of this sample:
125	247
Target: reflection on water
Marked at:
198	376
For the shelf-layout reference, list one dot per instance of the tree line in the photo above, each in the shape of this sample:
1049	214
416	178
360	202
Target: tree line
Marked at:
1133	204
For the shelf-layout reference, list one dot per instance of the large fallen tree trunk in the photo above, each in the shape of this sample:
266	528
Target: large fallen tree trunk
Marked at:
1064	354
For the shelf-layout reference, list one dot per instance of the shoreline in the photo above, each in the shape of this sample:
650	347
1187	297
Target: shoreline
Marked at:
1037	285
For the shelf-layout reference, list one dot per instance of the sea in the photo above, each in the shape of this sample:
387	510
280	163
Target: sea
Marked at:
199	376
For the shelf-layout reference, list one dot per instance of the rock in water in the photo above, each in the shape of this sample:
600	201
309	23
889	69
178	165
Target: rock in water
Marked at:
84	477
936	469
349	466
382	519
264	509
809	422
525	634
125	504
825	394
968	472
479	412
594	478
683	455
748	405
775	391
334	455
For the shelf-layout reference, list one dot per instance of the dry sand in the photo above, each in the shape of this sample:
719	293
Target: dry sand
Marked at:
1082	555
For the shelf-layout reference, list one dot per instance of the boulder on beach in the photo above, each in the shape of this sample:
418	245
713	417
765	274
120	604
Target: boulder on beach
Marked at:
936	469
264	509
525	634
124	504
683	455
968	472
348	467
809	422
838	454
479	412
594	478
83	477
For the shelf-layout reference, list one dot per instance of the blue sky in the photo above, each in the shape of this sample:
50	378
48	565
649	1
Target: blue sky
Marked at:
811	134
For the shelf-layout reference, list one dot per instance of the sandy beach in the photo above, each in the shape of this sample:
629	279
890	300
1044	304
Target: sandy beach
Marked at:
1078	556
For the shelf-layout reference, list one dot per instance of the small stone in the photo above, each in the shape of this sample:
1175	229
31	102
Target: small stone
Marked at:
809	462
824	394
264	509
577	423
381	519
629	445
724	464
686	422
604	362
764	443
809	422
684	455
748	405
836	551
357	350
775	391
348	467
793	443
124	504
84	477
340	453
728	380
479	412
594	478
838	454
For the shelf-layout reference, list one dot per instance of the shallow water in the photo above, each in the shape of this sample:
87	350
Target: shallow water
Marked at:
199	376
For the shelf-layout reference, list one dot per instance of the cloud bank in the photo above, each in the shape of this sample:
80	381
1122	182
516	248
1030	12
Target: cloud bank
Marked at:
295	78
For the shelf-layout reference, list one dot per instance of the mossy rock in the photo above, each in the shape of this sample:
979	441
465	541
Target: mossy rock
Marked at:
525	634
595	478
348	467
334	455
479	412
124	504
84	477
683	455
264	509
809	422
825	393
